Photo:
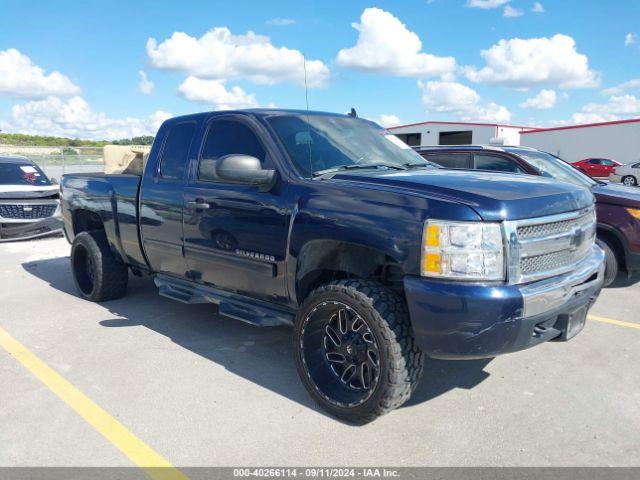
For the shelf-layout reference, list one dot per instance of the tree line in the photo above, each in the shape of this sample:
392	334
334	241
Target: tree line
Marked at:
48	141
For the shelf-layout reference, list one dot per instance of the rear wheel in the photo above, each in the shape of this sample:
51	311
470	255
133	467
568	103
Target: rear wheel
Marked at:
629	180
97	273
355	351
611	264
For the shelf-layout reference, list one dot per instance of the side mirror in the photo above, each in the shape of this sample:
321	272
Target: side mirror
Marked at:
54	181
244	169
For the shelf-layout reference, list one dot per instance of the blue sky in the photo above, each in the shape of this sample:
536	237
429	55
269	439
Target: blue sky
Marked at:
72	68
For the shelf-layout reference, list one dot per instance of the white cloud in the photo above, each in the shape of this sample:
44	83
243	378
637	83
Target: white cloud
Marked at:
145	86
21	78
220	55
75	118
542	101
510	12
629	85
280	22
485	4
630	39
524	63
461	101
388	120
537	8
617	108
215	93
385	45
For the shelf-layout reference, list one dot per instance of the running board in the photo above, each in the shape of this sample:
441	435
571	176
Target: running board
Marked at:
255	312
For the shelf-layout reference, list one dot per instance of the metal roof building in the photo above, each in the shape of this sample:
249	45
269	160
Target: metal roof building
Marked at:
618	140
458	133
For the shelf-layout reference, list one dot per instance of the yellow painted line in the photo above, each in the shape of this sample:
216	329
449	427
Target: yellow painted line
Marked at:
620	323
153	464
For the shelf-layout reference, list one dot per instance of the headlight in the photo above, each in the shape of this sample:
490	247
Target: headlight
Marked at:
634	212
462	250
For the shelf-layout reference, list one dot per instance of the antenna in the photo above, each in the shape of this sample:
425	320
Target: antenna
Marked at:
306	89
306	98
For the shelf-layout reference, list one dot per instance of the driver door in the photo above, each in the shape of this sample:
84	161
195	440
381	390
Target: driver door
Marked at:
235	235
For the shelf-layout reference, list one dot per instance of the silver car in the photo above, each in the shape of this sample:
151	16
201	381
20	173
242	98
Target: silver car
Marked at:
627	174
29	201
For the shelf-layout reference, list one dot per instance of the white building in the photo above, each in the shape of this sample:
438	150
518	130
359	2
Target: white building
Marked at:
458	133
619	140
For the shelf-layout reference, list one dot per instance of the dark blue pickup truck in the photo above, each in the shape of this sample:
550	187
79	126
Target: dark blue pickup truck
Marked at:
328	223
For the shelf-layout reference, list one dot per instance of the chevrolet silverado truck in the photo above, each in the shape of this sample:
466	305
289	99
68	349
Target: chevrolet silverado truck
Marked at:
331	225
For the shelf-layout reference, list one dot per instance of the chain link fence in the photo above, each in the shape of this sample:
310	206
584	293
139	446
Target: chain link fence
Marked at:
56	161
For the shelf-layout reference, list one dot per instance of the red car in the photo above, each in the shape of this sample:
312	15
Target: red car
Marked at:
596	167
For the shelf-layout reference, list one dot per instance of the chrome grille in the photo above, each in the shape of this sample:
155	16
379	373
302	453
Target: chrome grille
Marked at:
554	228
549	261
548	246
27	212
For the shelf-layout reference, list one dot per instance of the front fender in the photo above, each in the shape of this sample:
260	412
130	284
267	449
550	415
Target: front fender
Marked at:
372	218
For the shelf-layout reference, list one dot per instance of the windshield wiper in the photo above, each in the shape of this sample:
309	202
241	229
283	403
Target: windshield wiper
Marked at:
357	166
415	165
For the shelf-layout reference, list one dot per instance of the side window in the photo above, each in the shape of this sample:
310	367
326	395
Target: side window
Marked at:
451	160
637	165
176	150
608	163
595	161
495	163
227	137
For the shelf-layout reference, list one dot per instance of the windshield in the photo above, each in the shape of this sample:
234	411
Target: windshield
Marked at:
554	167
319	143
22	174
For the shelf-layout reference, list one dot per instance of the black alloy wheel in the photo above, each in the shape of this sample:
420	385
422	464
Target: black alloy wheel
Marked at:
355	351
347	364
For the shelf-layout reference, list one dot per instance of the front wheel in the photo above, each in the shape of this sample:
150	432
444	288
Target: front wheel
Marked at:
629	181
611	264
354	350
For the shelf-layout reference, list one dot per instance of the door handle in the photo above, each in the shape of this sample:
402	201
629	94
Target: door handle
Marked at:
200	204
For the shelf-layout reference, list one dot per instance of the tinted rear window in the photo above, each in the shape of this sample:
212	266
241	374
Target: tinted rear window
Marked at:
176	150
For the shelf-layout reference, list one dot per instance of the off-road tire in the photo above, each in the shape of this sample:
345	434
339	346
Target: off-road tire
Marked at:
97	273
611	264
400	359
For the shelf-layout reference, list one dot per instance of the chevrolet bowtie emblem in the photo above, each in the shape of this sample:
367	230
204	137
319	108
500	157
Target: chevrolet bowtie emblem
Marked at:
577	237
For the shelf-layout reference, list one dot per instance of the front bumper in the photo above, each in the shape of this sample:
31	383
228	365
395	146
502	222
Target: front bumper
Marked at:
456	320
27	230
12	228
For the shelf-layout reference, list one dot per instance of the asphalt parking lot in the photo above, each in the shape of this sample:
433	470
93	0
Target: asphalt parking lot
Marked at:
201	390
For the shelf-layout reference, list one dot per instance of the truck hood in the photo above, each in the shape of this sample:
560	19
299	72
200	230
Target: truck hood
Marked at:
28	191
494	196
617	195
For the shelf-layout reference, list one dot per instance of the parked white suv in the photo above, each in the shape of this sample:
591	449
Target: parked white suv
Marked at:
29	201
628	174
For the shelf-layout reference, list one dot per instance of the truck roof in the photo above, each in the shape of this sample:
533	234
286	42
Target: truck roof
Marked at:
257	112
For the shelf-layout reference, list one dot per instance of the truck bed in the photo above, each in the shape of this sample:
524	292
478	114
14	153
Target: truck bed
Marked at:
114	198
